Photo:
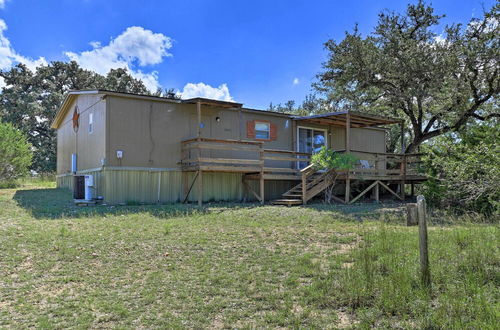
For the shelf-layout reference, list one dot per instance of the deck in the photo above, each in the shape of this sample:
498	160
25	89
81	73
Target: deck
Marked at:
249	157
375	170
252	159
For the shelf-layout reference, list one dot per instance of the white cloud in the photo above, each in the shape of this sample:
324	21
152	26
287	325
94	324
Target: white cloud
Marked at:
439	39
296	81
135	47
9	57
191	90
2	3
492	24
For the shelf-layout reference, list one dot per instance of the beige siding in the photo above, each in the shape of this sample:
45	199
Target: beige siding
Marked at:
149	132
362	139
89	147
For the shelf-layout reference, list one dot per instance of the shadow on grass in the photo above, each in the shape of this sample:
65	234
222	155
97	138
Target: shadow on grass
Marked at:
53	203
58	203
369	210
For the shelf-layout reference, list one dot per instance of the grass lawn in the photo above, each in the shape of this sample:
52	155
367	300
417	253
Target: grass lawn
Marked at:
236	265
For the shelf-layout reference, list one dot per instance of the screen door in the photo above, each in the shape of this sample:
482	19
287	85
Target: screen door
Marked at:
310	141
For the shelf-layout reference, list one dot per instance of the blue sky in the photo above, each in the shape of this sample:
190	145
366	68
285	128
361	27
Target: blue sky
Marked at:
254	52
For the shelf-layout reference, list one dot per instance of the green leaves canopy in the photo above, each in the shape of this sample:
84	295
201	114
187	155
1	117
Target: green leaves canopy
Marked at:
438	83
30	100
464	170
15	153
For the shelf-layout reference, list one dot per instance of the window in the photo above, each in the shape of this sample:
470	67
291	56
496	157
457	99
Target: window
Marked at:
91	122
310	141
262	130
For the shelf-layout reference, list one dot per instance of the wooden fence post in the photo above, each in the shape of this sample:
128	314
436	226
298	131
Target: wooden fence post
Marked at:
424	252
411	214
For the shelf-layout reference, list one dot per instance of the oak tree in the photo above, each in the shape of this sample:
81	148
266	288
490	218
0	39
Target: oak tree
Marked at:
437	82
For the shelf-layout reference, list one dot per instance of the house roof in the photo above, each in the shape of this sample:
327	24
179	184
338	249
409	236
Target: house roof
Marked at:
358	119
72	95
210	102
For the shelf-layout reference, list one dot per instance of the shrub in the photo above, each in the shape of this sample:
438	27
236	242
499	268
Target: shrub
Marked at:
15	154
464	170
332	161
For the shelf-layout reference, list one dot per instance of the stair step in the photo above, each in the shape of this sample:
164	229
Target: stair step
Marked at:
287	202
315	184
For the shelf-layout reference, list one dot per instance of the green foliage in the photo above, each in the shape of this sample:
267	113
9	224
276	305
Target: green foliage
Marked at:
311	105
438	83
30	100
15	154
464	170
327	158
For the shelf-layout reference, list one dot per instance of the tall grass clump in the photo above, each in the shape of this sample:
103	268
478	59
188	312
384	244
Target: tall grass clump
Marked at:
383	285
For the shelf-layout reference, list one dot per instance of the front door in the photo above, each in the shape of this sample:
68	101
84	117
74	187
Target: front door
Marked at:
310	140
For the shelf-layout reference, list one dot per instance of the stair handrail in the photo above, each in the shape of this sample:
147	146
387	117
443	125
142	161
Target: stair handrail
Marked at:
307	169
305	172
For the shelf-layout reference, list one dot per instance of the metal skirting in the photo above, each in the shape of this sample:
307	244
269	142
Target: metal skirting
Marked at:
150	186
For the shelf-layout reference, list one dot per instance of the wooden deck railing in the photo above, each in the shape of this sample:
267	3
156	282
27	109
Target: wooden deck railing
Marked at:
387	164
243	156
227	155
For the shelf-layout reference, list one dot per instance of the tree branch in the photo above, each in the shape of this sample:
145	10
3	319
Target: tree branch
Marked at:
487	117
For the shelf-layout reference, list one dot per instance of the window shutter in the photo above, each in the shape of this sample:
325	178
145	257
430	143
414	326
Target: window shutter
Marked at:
251	129
274	132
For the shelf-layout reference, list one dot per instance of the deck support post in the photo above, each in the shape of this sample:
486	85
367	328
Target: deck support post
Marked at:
261	178
185	184
295	165
389	189
348	133
403	161
403	176
347	151
364	191
402	137
304	189
244	189
377	192
188	191
198	137
200	188
347	189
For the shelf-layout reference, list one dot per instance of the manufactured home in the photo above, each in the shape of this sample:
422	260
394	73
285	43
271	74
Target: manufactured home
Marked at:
147	149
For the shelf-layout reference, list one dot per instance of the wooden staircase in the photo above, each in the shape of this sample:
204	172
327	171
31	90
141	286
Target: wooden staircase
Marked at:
313	182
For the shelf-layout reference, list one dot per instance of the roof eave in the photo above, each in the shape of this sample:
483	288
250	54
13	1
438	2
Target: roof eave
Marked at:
368	119
205	101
